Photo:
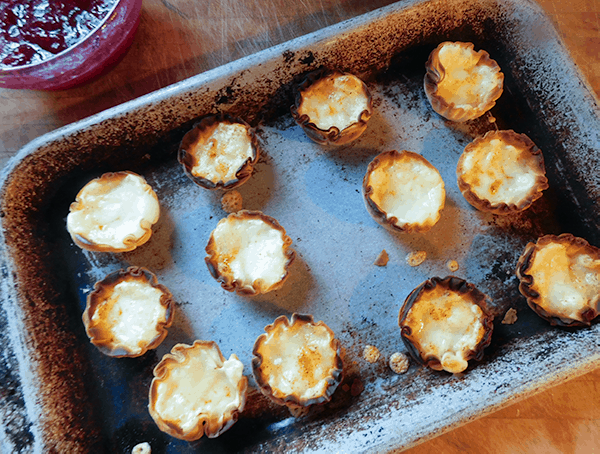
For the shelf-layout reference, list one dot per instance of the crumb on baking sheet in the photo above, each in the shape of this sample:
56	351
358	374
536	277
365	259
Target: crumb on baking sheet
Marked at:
399	363
142	448
231	202
452	265
371	354
382	259
510	317
416	258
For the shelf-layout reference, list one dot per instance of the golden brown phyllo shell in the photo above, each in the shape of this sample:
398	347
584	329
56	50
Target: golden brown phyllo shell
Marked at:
332	107
502	172
445	322
219	152
113	213
249	252
560	277
462	84
297	363
128	313
195	391
403	191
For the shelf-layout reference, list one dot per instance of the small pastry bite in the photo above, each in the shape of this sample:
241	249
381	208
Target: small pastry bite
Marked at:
445	322
332	107
403	191
249	252
128	313
195	391
113	213
219	152
297	363
502	172
462	84
560	277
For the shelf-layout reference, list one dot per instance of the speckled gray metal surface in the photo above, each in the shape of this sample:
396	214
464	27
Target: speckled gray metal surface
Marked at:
67	396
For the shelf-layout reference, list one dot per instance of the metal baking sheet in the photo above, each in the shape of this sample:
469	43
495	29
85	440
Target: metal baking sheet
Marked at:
62	395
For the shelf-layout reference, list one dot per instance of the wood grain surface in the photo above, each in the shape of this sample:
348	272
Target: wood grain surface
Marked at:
180	38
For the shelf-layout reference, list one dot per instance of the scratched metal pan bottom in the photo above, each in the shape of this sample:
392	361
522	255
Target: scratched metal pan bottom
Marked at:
62	395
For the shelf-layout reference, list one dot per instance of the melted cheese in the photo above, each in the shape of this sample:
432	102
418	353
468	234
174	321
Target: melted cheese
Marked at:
114	213
568	282
250	250
222	153
499	172
466	83
298	360
445	326
200	388
409	190
131	315
336	101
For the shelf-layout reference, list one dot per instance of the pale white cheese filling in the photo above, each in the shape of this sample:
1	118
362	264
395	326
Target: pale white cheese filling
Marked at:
334	101
250	250
298	360
568	283
499	172
447	327
131	315
202	387
112	214
465	83
219	156
409	190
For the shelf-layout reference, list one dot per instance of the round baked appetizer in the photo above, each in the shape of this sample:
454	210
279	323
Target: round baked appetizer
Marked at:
249	252
128	313
462	84
332	107
219	152
403	191
195	391
502	172
297	363
113	213
560	277
445	322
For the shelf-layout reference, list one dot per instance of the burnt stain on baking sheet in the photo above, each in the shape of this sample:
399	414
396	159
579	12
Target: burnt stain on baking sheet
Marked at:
308	58
17	428
288	56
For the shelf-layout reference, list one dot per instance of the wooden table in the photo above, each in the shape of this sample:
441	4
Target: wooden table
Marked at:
180	38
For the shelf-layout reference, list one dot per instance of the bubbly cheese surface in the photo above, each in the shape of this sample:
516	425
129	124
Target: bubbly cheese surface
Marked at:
250	250
114	213
499	172
218	156
298	360
446	326
202	387
409	190
131	315
466	83
336	100
568	281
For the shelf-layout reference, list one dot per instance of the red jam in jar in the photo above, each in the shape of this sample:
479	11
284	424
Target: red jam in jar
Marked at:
53	44
33	31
